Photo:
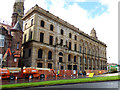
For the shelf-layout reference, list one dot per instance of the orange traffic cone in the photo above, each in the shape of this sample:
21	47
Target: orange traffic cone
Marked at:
56	76
29	77
45	77
16	78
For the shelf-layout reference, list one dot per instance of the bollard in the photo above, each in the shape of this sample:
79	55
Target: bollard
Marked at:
0	77
64	75
71	76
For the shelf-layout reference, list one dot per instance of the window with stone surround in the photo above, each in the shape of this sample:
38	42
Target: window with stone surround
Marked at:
41	37
39	65
31	22
40	52
42	23
49	55
70	35
51	40
2	40
29	52
69	45
17	45
74	58
62	32
75	37
51	27
69	57
75	47
61	42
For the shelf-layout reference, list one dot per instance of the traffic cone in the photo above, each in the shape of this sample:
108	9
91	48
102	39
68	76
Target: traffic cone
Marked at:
0	78
29	77
56	76
45	77
16	78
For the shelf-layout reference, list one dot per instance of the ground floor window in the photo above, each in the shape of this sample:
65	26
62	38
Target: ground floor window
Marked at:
74	67
69	67
50	65
62	67
39	65
60	59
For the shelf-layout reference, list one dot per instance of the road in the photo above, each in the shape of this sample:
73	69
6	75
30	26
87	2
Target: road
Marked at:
112	85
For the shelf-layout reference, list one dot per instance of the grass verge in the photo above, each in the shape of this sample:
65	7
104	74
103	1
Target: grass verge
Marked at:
80	80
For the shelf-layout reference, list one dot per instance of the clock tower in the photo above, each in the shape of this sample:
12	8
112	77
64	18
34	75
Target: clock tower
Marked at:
18	12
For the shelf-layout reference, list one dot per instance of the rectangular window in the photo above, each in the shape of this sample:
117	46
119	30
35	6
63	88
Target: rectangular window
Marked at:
29	52
17	45
30	35
74	58
62	32
75	47
41	37
31	22
75	37
25	25
39	65
2	40
61	42
50	65
24	38
80	49
23	54
62	68
0	59
69	45
51	40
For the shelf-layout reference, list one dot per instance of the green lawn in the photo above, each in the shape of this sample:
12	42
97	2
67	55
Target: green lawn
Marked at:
94	79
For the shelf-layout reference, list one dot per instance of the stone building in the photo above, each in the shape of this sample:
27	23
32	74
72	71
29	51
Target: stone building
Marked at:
50	42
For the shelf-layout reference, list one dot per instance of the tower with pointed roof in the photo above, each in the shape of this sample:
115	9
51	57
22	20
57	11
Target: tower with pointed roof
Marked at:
17	33
18	12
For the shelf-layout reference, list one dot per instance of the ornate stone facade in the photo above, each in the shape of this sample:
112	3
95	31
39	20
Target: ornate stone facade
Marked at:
50	42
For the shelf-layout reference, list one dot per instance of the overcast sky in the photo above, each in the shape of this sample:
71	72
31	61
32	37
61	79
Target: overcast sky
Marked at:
84	14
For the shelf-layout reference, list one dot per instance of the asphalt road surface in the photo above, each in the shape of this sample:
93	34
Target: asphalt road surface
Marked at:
112	85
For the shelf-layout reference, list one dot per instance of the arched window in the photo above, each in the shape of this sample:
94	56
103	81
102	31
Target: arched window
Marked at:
40	53
51	27
70	35
60	57
42	23
61	54
62	32
49	55
31	22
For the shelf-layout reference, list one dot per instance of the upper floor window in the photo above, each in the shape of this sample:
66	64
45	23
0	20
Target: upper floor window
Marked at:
49	55
17	45
25	25
30	36
69	45
42	23
61	42
69	57
40	53
24	38
29	52
80	49
41	37
51	40
62	32
70	35
75	37
23	54
51	27
2	40
75	47
0	58
74	58
31	22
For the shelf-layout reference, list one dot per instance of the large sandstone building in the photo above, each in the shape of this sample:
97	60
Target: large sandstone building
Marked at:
50	42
